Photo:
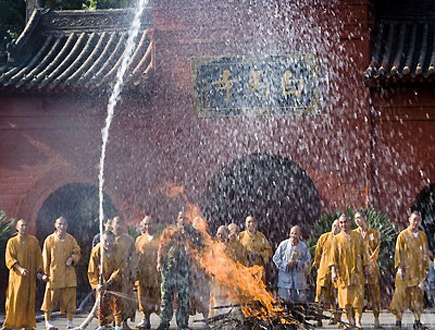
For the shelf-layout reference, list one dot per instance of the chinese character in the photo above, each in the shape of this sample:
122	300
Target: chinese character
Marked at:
255	84
226	84
291	86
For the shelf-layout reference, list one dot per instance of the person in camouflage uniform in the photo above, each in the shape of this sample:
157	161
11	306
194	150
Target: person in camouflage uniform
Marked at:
174	263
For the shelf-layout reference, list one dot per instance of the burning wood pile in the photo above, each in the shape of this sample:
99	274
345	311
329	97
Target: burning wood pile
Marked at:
250	306
285	316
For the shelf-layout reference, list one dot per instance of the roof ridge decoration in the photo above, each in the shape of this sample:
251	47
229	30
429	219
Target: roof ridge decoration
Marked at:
69	21
62	51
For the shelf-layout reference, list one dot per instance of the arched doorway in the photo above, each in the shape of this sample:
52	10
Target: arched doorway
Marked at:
274	189
78	203
425	203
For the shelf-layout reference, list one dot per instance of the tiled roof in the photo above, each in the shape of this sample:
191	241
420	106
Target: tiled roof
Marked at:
76	50
403	51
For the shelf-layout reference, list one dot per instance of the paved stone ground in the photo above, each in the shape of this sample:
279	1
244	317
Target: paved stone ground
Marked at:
387	320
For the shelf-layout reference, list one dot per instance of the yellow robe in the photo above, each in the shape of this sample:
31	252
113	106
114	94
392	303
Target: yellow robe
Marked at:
372	243
112	268
236	251
349	259
20	294
54	256
325	291
126	247
62	278
148	277
257	244
413	257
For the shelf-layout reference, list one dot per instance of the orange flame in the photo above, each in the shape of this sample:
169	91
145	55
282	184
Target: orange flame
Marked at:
243	284
171	190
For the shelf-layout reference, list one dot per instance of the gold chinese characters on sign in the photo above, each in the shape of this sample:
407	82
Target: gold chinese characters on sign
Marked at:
281	84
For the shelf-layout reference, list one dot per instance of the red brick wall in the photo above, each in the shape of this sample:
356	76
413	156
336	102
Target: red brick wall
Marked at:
50	142
405	149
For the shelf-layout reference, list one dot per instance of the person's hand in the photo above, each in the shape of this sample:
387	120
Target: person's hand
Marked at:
69	261
368	271
44	278
421	285
334	275
401	273
254	257
102	287
23	271
291	264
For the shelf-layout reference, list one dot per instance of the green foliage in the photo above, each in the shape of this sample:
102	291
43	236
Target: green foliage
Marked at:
6	231
106	4
133	231
388	230
6	227
87	4
13	13
12	20
63	4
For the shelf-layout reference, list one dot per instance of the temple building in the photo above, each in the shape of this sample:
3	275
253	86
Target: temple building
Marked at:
280	109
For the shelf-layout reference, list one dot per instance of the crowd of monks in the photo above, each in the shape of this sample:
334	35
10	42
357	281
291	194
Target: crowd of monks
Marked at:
158	265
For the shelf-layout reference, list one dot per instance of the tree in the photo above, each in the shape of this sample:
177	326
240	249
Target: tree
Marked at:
6	231
12	20
87	4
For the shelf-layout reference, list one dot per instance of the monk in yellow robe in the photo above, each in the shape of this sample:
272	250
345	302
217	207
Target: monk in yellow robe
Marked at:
372	242
326	292
148	285
126	246
234	249
24	261
60	255
348	263
411	262
111	280
256	244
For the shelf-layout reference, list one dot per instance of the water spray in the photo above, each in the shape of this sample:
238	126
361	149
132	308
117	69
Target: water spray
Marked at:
113	100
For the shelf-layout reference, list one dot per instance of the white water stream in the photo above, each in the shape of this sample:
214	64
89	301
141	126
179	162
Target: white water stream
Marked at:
131	44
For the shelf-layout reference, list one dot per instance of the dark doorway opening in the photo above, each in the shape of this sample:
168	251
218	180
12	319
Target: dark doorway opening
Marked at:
79	204
274	189
425	203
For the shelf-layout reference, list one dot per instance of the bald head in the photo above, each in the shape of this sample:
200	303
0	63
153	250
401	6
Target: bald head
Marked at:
61	225
117	225
145	226
251	224
295	235
361	220
335	228
222	234
21	227
345	224
233	230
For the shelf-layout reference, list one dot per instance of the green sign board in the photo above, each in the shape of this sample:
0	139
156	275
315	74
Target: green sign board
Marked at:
276	85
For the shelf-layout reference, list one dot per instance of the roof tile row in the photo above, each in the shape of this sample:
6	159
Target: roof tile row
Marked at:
85	58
